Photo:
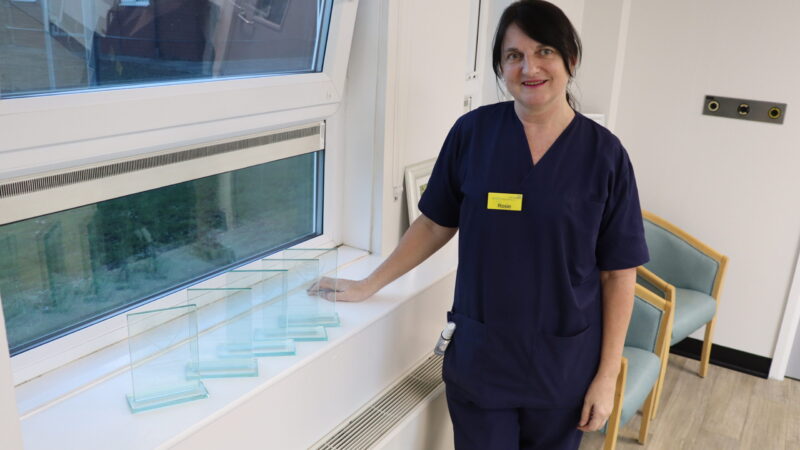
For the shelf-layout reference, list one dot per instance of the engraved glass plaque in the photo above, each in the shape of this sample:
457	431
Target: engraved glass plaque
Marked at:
225	338
162	344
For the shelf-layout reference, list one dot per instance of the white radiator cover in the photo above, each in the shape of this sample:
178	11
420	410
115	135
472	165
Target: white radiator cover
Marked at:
398	416
427	427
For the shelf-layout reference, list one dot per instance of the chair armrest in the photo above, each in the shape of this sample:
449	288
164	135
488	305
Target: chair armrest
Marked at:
654	283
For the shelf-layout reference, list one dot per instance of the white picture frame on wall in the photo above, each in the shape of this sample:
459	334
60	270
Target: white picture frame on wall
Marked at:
417	176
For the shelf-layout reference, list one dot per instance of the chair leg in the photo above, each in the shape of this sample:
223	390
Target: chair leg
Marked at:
705	355
612	428
647	412
660	383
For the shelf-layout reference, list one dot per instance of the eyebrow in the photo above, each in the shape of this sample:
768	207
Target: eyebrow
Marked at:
514	49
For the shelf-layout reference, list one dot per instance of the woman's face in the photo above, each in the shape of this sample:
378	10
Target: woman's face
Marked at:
534	73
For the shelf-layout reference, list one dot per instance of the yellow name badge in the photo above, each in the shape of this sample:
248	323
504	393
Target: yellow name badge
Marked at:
507	202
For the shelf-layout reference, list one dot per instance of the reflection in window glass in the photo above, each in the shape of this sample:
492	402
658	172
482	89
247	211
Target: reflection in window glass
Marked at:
49	46
63	271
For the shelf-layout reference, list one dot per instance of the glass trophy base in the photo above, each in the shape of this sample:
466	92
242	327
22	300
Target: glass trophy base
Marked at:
182	394
226	368
314	320
274	347
298	334
241	351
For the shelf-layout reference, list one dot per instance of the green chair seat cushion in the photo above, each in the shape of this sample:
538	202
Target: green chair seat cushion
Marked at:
643	369
693	309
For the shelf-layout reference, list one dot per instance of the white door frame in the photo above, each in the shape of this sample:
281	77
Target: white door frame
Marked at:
788	331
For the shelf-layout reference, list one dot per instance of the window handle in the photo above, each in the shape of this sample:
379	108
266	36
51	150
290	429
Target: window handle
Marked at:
242	14
243	17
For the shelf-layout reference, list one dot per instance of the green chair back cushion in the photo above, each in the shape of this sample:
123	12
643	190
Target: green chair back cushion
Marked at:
643	327
677	262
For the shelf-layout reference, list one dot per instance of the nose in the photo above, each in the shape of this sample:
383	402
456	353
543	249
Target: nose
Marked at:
530	65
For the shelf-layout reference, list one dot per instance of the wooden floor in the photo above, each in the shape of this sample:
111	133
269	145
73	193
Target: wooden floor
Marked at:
727	410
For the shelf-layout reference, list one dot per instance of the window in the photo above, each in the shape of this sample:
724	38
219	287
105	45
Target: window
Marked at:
86	125
63	271
52	47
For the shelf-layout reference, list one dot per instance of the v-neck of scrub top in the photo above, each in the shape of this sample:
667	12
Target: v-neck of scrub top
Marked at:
520	129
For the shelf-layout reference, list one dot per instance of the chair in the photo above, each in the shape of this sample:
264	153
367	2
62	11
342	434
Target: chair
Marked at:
641	368
687	273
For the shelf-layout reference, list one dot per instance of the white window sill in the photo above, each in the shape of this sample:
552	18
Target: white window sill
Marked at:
82	405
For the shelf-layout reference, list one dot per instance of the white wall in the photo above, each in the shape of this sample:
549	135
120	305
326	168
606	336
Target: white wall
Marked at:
362	117
420	96
599	76
731	183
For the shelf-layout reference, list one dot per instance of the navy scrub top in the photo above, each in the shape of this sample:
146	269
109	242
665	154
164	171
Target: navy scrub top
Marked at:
528	297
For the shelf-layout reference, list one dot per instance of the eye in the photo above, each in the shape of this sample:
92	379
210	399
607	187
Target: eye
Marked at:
512	56
547	51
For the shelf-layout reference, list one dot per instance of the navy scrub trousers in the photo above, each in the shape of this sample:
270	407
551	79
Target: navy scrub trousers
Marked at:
532	243
512	428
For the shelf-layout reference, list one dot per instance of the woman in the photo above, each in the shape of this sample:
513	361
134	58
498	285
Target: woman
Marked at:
550	235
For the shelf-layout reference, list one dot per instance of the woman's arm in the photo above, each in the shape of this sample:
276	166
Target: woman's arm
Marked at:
423	238
618	290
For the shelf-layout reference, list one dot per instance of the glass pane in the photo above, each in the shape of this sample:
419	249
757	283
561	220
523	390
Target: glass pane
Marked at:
225	339
163	349
66	270
270	320
49	46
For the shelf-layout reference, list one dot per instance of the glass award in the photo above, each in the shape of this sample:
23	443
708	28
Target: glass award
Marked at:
271	335
225	332
162	344
310	272
277	328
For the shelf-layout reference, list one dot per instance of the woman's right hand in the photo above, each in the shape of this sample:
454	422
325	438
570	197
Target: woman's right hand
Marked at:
422	239
346	290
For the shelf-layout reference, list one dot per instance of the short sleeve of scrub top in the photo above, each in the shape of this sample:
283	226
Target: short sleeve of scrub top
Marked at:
528	298
443	206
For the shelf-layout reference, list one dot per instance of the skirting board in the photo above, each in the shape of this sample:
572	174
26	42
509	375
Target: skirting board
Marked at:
725	357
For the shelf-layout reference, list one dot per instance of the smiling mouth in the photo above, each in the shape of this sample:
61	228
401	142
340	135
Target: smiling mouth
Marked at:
534	83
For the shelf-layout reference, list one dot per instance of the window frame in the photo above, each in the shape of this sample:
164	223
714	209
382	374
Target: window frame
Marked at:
143	120
131	117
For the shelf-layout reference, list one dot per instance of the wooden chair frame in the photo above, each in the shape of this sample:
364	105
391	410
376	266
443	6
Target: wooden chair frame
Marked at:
669	294
661	347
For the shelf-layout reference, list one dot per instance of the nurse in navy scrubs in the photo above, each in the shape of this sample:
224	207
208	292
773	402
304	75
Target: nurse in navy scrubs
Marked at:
550	235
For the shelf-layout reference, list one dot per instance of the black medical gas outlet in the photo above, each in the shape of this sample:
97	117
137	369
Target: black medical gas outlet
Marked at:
738	108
